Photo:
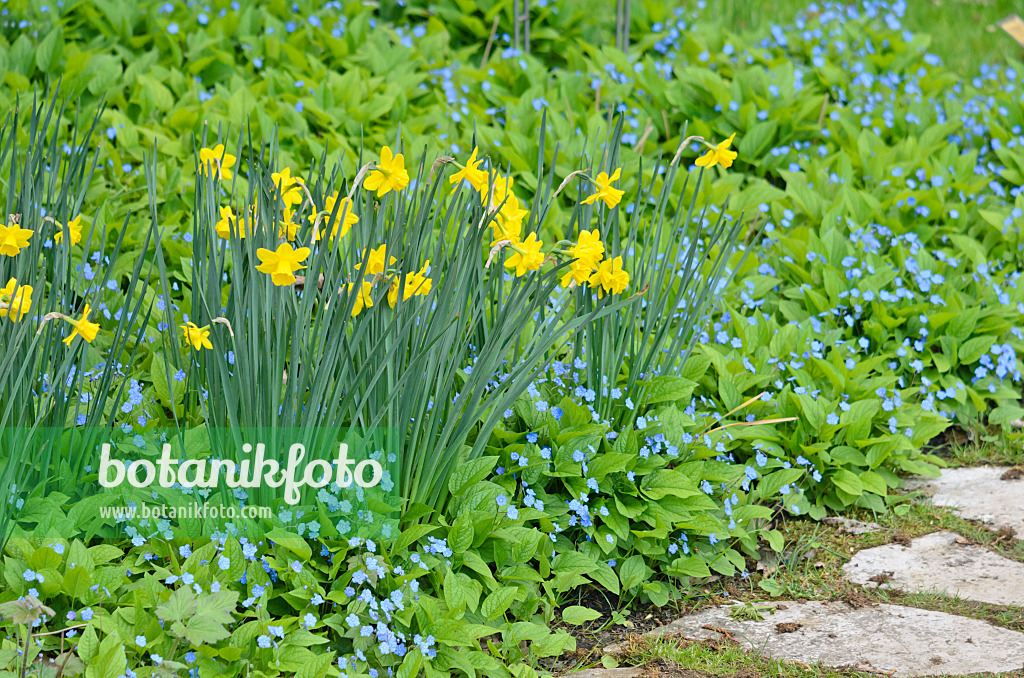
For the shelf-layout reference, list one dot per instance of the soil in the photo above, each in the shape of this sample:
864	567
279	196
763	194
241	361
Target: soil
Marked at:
1015	473
857	599
901	538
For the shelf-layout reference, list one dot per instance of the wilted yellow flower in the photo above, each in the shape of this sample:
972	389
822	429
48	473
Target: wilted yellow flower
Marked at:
376	265
342	222
718	155
477	178
15	300
74	228
415	284
526	255
605	190
390	174
609	277
364	299
228	223
289	186
220	160
83	328
196	337
281	265
13	238
589	249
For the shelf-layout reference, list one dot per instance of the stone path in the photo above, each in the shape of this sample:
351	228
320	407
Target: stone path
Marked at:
941	562
892	639
906	640
979	493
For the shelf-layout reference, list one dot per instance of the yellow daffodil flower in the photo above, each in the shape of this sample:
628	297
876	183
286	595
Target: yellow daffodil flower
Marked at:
526	255
495	188
289	186
83	328
579	273
216	157
281	265
15	300
589	249
605	190
364	299
609	277
13	238
390	174
228	223
287	226
718	155
196	337
376	265
475	177
343	221
74	228
415	284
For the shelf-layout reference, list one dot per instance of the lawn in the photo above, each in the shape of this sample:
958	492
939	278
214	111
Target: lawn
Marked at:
448	337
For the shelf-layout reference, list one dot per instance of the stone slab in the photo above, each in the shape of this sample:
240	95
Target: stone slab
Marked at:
937	563
879	638
978	493
599	672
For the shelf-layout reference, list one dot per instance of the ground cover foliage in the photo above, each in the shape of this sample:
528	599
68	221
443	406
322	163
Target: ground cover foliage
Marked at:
870	302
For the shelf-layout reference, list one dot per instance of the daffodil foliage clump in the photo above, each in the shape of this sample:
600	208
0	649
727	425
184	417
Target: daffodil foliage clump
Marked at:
525	300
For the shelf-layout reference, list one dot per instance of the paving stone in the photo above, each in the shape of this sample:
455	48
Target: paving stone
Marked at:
879	638
630	672
938	563
978	493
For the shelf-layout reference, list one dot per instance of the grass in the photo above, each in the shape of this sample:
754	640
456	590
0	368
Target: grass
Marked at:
811	569
964	32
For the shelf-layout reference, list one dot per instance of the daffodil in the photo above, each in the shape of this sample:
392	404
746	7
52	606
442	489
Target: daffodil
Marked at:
588	248
83	328
216	157
343	220
15	300
288	227
495	189
376	264
605	190
13	238
196	337
390	174
74	228
526	255
609	277
289	186
281	264
364	299
471	174
228	223
579	272
718	155
508	224
415	284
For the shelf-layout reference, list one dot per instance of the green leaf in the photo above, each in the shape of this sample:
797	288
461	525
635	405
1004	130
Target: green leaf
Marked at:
847	482
49	51
632	571
499	601
461	533
470	473
292	542
579	615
